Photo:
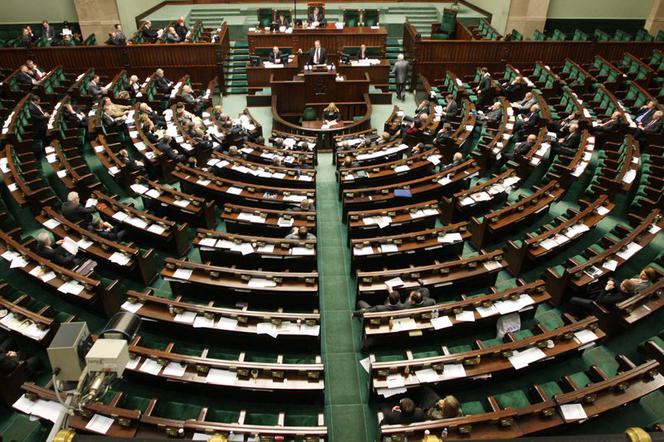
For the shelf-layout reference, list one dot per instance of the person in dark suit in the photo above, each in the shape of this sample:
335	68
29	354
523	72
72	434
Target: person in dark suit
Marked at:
301	233
57	255
47	32
171	35
317	54
148	32
117	37
362	53
403	414
316	16
400	71
106	230
439	408
528	122
10	360
652	127
189	97
494	114
568	145
34	71
164	146
515	89
525	103
645	113
74	211
283	21
483	89
38	116
614	123
275	55
23	78
163	84
181	29
132	165
27	38
94	90
392	303
607	296
331	113
451	109
521	149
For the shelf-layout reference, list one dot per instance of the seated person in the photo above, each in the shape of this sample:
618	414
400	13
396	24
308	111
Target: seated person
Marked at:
184	116
403	414
134	86
317	54
331	113
94	89
34	71
57	255
10	359
316	18
423	107
73	116
117	37
199	136
520	150
439	408
614	123
415	129
275	55
525	103
607	296
444	136
155	117
149	129
171	35
189	97
23	78
116	111
181	29
132	165
652	127
74	211
106	230
148	32
362	54
567	145
645	113
392	303
163	84
493	115
457	158
647	277
27	37
164	145
282	21
563	125
301	233
515	88
451	108
527	122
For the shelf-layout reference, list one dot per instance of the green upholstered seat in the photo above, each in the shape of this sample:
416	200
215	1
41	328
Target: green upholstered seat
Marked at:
512	399
551	389
473	407
309	114
581	379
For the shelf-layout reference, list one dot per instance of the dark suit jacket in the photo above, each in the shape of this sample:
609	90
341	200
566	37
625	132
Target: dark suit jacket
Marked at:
531	121
283	23
362	55
644	115
149	33
56	255
39	120
485	84
320	18
322	56
24	79
188	98
331	116
572	141
523	148
653	127
7	364
181	31
274	58
94	90
397	418
162	83
76	212
451	109
494	115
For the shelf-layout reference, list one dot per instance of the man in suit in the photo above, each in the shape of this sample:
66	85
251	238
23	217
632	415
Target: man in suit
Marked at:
392	303
317	54
528	122
10	360
148	32
94	90
652	127
403	414
57	255
521	149
74	211
568	145
34	71
275	55
163	84
483	89
494	114
316	17
451	109
23	77
607	296
164	146
38	116
106	230
132	165
27	37
524	104
515	88
172	35
400	71
47	31
117	37
362	54
444	136
301	233
645	113
189	97
181	29
283	21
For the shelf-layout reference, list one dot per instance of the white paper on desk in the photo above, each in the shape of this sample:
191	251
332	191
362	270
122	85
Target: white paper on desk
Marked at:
389	392
309	330
402	168
395	381
225	323
150	366
139	188
203	322
366	364
204	436
573	412
84	243
465	316
548	244
267	328
51	223
18	263
383	221
629	251
302	251
181	203
183	273
99	424
70	245
295	198
485	312
13	187
441	322
52	158
453	371
245	248
654	229
185	317
403	324
507	306
389	248
207	242
492	265
362	251
610	264
153	193
10	255
261	283
584	336
267	248
466	201
629	176
120	258
131	307
49	410
221	377
175	369
25	405
120	216
427	375
46	277
285	222
450	238
444	181
156	228
434	159
394	282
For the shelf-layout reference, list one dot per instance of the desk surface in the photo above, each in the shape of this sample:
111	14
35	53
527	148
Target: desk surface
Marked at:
318	124
331	38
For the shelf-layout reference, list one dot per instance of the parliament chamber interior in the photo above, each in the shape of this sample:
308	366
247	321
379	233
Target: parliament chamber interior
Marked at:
343	221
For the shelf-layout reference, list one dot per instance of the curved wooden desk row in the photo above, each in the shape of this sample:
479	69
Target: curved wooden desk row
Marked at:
71	168
375	153
602	394
576	276
260	153
208	318
238	168
83	289
514	354
28	317
620	167
470	271
255	251
107	154
379	222
23	179
163	233
493	225
124	259
421	321
565	168
224	190
265	222
129	422
560	233
449	180
417	247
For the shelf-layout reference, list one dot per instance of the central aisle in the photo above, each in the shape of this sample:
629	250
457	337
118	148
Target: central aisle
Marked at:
347	415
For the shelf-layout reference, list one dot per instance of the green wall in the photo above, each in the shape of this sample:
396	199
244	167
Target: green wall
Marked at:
600	9
34	11
500	10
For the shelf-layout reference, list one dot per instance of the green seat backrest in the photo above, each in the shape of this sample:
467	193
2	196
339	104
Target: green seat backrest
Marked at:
265	17
371	17
309	114
351	17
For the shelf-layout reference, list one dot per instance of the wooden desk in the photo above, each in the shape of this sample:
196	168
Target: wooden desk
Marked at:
331	38
258	77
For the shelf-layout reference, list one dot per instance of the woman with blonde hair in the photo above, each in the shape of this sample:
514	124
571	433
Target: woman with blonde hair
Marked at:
331	113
